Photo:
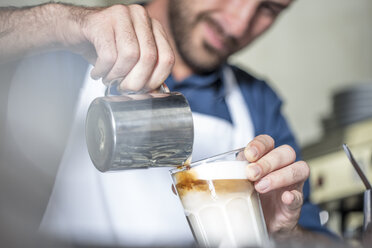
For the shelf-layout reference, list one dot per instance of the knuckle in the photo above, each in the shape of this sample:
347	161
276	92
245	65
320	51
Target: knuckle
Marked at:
119	8
171	58
116	74
150	56
153	85
131	54
130	85
291	153
107	80
306	169
108	57
267	140
258	144
138	9
157	27
294	173
151	44
167	59
300	171
280	181
264	164
156	23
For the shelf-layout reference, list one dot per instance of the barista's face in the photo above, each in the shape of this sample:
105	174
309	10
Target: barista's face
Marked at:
207	32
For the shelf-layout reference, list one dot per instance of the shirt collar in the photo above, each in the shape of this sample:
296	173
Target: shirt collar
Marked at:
197	81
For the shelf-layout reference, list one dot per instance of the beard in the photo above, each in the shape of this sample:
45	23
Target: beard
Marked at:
196	53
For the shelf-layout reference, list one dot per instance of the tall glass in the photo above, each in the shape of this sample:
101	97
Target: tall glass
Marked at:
220	204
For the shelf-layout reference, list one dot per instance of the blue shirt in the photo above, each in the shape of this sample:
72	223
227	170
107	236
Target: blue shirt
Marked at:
206	95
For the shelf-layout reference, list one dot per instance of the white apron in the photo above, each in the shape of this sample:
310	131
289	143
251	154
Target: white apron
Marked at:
133	207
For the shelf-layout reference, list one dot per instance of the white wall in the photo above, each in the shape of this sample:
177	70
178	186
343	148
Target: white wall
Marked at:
315	48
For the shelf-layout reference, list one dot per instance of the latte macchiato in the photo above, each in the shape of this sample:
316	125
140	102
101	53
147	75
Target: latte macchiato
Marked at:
221	205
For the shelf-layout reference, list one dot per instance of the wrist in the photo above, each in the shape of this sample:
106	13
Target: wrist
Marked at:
27	31
70	25
44	19
66	25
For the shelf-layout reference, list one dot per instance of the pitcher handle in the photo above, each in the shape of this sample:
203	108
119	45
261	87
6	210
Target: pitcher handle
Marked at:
115	83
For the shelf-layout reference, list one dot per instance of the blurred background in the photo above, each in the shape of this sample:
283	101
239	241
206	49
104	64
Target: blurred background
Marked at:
315	49
318	57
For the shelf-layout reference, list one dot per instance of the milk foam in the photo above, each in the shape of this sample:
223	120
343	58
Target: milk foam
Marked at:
221	170
226	214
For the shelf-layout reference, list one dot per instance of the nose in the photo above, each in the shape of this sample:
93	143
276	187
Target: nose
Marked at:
238	17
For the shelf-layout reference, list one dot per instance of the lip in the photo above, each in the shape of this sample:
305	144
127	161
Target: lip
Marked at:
213	38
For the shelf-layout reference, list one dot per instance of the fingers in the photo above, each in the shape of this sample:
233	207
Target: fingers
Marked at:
127	46
294	174
106	54
273	160
130	47
166	57
258	147
279	180
112	34
141	72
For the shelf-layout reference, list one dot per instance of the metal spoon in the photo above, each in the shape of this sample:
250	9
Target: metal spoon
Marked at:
367	208
357	167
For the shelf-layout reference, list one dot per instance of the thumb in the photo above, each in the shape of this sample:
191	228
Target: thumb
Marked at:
293	200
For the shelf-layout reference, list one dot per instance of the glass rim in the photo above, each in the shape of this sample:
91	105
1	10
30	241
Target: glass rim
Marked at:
204	160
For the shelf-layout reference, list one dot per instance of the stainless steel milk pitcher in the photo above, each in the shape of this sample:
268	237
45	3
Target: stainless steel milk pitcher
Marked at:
139	130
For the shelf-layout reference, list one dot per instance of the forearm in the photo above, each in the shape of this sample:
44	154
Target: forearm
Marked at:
122	41
31	30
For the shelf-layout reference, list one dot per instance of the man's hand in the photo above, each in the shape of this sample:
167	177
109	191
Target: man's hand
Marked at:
122	42
279	180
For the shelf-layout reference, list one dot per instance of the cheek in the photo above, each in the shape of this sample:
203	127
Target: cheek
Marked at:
260	25
197	35
257	27
198	6
213	4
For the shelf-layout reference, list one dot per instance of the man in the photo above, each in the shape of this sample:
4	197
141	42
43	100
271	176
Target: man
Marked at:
139	48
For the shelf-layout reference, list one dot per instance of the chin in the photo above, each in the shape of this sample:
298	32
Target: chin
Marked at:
201	58
208	66
202	66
